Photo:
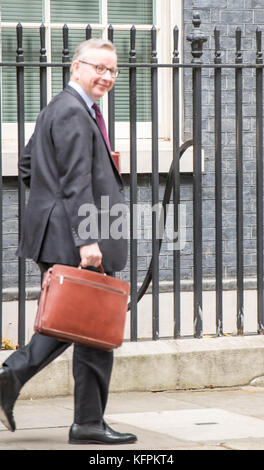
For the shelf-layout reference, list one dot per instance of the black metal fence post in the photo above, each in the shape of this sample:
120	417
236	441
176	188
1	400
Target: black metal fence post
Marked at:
259	180
88	32
111	102
239	185
133	184
155	187
43	70
21	187
197	38
176	187
65	56
218	187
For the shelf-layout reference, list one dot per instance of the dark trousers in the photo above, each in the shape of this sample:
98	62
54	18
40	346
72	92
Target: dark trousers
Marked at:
91	371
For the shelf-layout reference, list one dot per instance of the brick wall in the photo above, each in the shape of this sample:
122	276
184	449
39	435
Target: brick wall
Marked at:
10	239
227	15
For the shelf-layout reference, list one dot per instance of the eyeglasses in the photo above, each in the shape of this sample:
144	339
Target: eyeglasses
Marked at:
102	69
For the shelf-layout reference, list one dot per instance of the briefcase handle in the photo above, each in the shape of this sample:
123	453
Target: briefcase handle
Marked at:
101	269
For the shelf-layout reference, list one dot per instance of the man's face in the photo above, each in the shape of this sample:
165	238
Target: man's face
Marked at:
93	84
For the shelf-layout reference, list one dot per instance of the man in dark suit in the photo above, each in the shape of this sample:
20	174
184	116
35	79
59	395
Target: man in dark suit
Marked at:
68	165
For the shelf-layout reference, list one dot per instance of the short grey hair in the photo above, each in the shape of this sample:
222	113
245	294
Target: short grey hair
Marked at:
94	43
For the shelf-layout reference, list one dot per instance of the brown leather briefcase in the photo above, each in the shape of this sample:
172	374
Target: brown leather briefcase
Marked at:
82	306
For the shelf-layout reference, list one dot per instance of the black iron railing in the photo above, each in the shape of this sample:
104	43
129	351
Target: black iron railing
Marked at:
196	39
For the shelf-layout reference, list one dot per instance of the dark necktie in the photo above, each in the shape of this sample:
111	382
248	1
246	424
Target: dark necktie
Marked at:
101	123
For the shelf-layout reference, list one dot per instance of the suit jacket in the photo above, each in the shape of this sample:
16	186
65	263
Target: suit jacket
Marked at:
67	165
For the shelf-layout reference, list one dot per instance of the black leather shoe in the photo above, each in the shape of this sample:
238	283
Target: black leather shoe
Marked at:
100	433
9	391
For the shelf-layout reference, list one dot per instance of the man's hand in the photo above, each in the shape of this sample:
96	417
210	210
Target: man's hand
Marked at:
90	255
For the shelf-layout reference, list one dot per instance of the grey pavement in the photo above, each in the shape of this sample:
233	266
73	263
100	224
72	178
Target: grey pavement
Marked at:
208	419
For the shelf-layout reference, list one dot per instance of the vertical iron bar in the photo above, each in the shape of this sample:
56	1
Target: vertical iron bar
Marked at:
21	188
133	183
43	80
197	38
239	187
176	188
218	186
155	188
43	70
88	32
197	203
259	180
111	102
65	55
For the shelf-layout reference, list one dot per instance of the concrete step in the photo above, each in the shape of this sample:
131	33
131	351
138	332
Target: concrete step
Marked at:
181	364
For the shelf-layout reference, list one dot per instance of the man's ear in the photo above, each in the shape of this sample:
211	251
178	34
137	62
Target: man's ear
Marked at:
75	70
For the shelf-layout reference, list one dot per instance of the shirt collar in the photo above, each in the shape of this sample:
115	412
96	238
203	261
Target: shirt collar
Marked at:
84	96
